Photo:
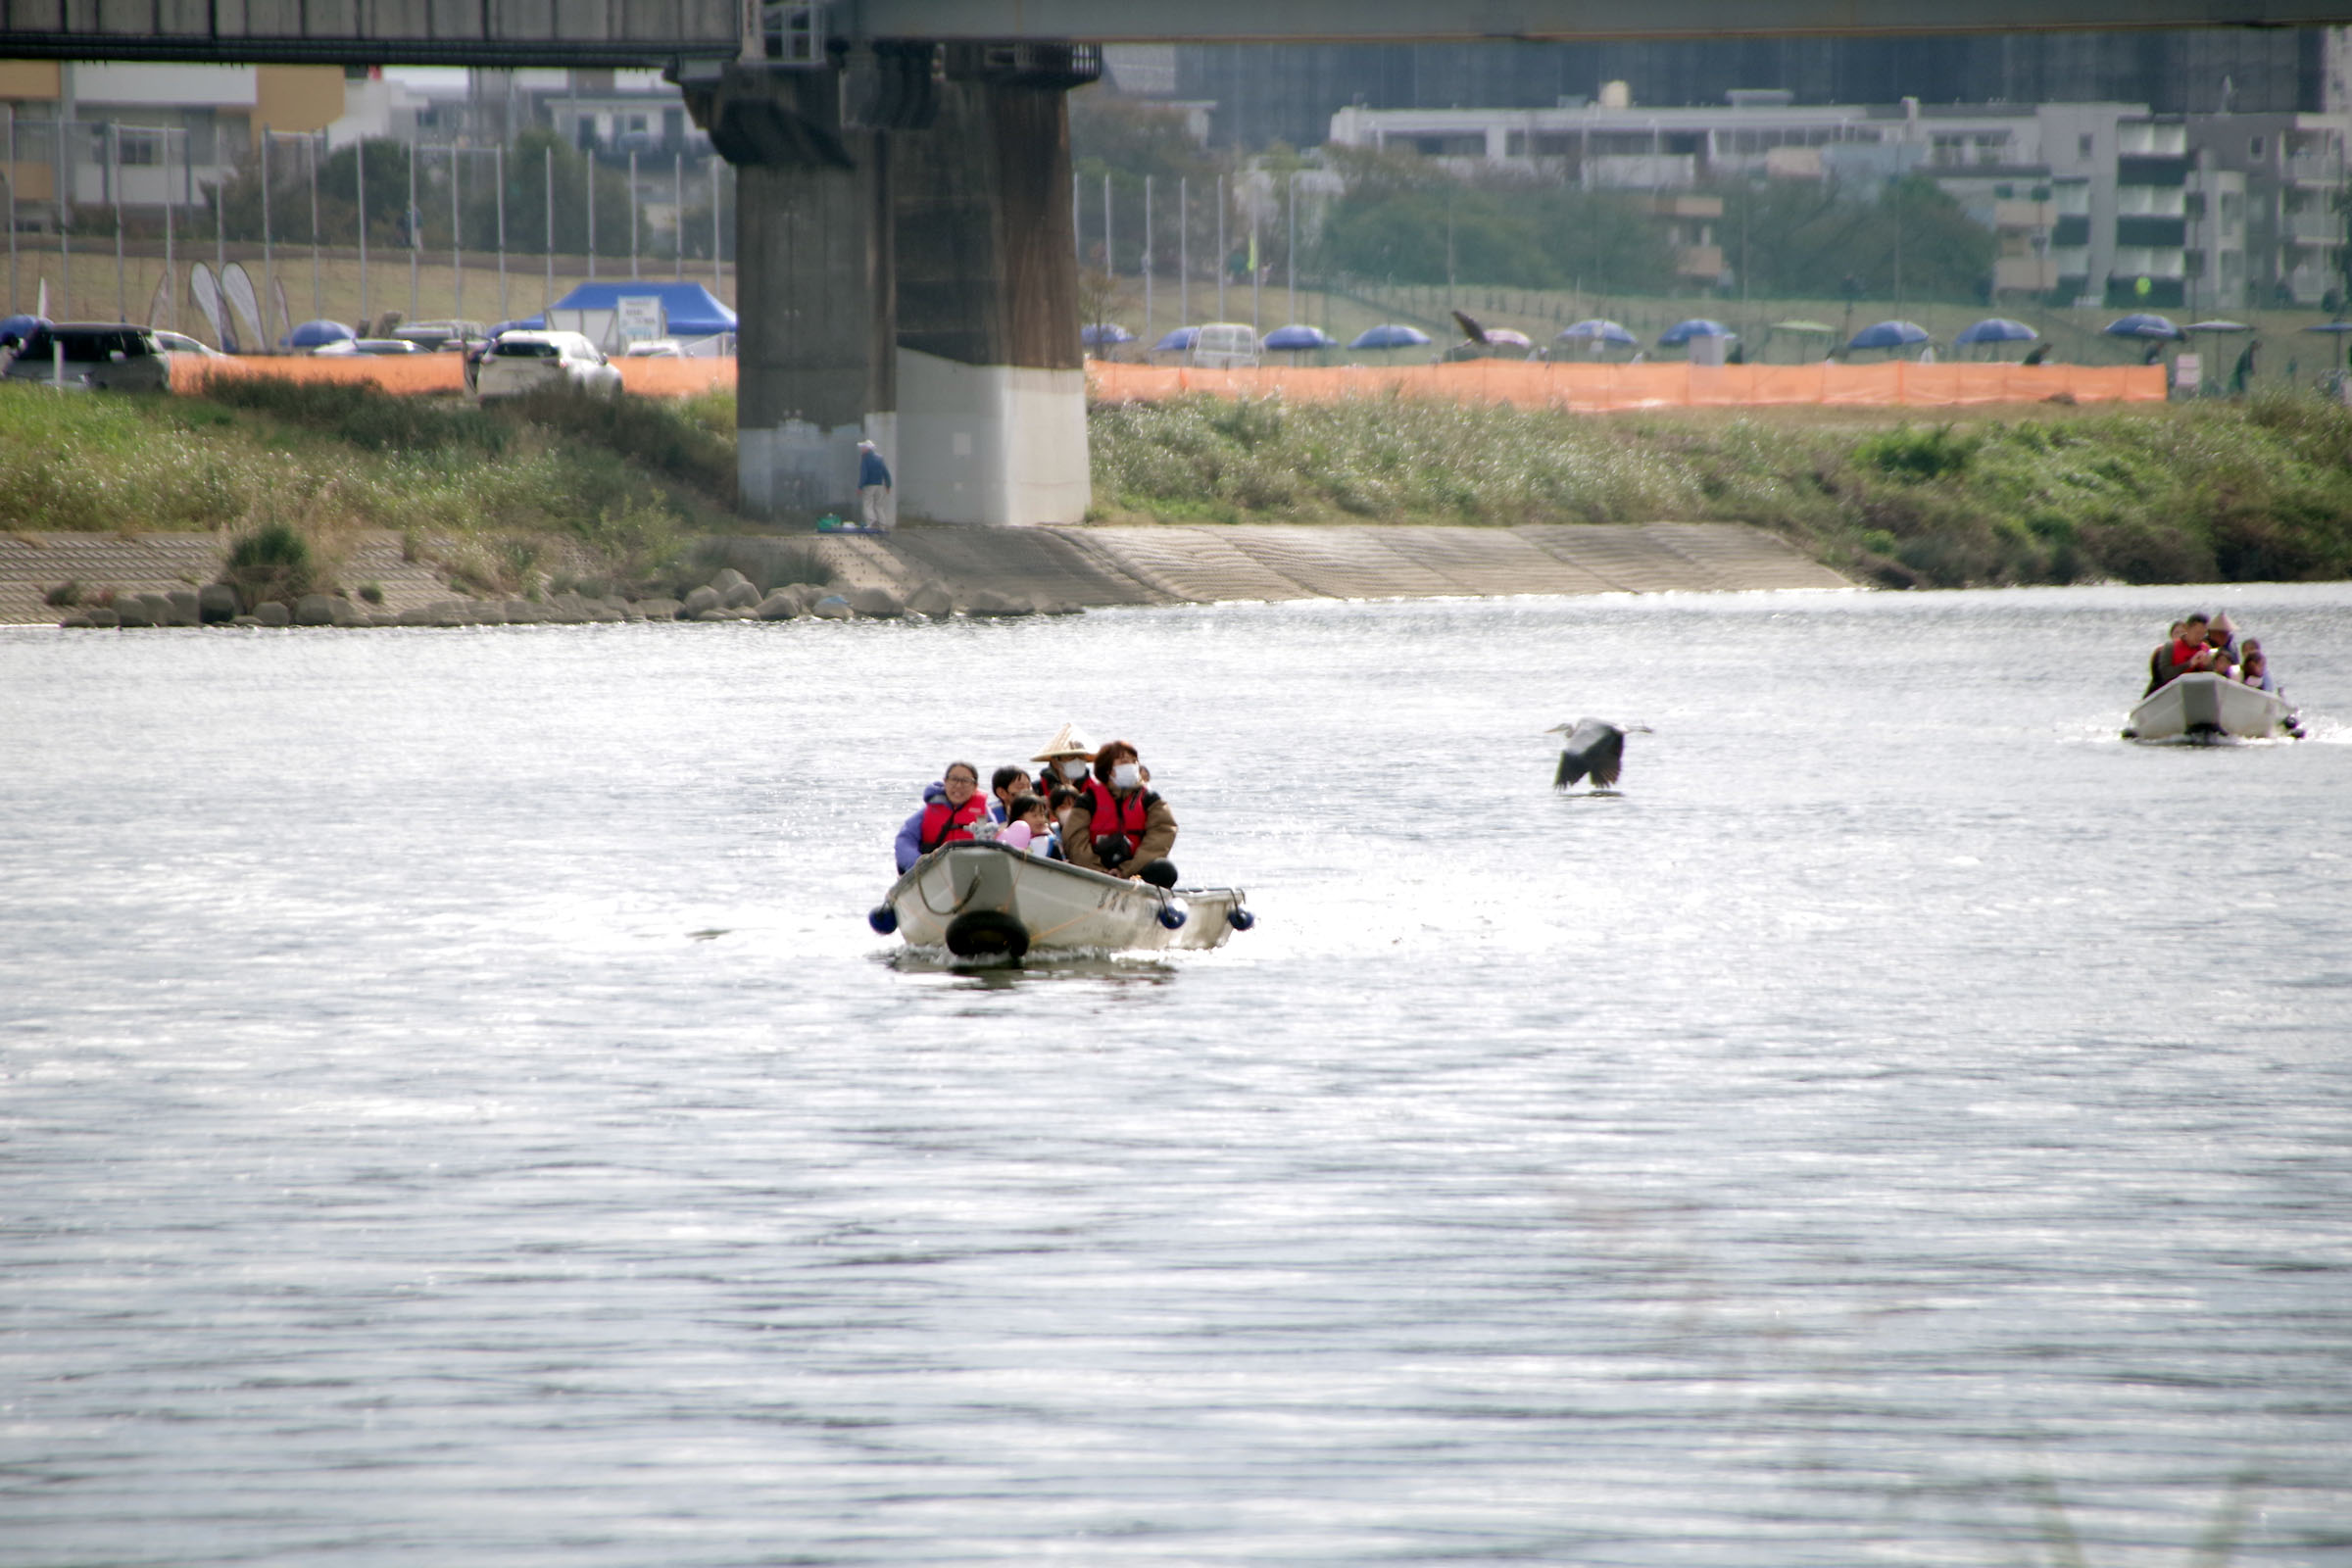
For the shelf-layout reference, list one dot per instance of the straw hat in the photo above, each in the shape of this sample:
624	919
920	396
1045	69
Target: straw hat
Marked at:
1066	743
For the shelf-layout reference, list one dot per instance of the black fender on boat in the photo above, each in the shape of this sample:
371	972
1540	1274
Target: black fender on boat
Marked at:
986	934
883	918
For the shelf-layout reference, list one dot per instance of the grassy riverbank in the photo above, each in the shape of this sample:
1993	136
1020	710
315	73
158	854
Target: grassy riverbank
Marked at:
509	497
550	486
2173	493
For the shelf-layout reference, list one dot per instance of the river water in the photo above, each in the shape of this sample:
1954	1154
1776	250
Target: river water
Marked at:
451	1108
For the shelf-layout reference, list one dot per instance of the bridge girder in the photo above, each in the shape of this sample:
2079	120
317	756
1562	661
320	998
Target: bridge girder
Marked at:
659	32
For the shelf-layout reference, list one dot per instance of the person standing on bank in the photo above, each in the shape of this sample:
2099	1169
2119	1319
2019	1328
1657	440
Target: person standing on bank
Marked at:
1118	827
873	487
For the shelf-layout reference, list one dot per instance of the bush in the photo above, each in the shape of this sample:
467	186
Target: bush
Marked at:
1908	453
273	563
65	595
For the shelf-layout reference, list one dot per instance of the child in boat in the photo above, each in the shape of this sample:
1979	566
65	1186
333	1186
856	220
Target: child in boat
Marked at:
2254	672
1030	831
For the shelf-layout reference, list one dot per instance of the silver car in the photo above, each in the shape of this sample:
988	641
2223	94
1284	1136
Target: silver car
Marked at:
524	362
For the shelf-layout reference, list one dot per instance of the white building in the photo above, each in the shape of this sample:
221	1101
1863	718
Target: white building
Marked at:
2085	200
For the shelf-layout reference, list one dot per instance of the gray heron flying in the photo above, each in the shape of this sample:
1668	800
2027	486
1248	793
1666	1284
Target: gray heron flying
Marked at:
1594	746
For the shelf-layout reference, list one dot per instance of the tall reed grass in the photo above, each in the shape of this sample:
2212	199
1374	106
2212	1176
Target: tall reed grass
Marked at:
2180	493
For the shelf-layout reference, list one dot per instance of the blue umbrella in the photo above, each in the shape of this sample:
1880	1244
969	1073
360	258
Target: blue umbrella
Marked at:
311	334
1101	332
1298	339
2142	326
22	327
528	324
1997	329
1696	326
1888	335
1184	337
1595	330
1390	335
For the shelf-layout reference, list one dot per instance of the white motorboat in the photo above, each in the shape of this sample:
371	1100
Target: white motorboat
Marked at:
2207	708
983	900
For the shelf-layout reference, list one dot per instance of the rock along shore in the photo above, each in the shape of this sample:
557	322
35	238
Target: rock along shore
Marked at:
158	579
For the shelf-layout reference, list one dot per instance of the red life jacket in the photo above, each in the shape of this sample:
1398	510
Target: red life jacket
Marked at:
942	822
1114	817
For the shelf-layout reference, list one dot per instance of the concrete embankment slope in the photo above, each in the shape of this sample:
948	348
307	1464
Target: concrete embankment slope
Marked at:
1168	565
1058	568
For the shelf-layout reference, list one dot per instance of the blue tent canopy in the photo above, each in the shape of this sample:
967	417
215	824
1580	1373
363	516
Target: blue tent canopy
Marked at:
1888	335
1596	330
1696	326
1183	337
690	307
1390	335
22	327
311	334
2142	325
1996	329
1295	337
1095	334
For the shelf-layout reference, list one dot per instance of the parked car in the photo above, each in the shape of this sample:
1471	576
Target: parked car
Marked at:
441	337
1225	346
343	347
524	362
97	354
181	343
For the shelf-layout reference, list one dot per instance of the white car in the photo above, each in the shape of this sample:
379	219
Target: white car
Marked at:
181	343
524	362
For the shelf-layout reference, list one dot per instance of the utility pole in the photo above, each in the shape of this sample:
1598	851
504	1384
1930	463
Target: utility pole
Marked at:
1291	256
497	165
266	248
1184	259
548	164
318	294
1221	267
359	171
413	221
1148	337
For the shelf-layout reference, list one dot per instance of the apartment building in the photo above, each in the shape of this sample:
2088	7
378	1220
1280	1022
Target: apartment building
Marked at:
147	134
2096	204
2279	185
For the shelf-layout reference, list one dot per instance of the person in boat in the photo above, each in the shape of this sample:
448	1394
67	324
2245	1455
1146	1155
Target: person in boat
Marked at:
1030	830
949	808
1117	825
1065	759
1005	786
1058	809
2221	636
2160	658
2185	654
2255	668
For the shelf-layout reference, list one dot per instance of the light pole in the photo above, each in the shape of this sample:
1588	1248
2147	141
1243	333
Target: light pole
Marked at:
1184	259
1291	256
359	177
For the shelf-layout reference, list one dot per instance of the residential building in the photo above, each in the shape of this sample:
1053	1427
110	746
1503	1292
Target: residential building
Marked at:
2294	172
1287	92
146	133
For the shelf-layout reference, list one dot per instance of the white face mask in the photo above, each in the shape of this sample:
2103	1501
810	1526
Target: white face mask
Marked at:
1074	769
1126	776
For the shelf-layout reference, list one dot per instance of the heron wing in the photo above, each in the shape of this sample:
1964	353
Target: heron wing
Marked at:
1470	328
1604	758
1568	772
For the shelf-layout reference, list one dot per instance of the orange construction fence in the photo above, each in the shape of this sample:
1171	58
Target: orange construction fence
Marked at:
1607	388
444	372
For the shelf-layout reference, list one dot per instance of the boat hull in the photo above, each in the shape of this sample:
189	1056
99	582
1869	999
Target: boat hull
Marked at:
2209	707
1059	908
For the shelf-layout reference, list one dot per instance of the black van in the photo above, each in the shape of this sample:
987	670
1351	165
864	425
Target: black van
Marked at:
98	354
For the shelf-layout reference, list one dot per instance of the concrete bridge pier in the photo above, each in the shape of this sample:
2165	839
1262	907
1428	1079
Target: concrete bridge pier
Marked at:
992	389
905	276
817	367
